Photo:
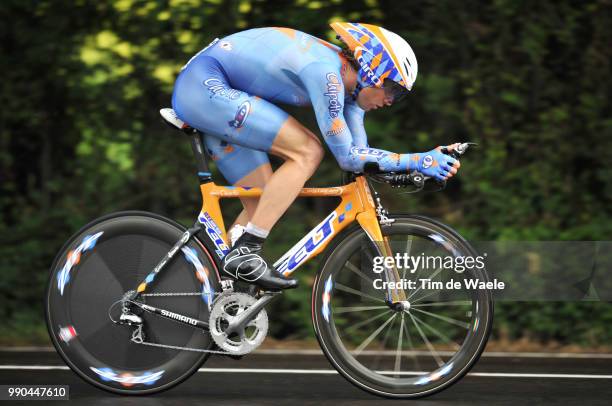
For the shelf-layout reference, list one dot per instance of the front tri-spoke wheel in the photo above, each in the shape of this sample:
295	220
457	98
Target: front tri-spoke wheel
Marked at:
408	349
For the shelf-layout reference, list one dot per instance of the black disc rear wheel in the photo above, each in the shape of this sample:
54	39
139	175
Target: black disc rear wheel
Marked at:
101	262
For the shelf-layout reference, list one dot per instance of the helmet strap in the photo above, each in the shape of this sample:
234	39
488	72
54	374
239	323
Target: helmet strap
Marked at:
358	88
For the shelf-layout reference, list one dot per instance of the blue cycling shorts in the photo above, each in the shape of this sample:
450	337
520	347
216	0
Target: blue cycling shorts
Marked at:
239	127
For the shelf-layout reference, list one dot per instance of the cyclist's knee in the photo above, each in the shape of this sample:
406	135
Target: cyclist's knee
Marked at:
318	153
311	155
298	144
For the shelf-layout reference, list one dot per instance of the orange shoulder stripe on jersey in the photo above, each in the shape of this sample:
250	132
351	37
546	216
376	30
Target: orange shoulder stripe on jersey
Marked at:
327	44
290	32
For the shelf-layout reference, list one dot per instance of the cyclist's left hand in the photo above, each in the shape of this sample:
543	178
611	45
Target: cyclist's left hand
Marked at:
451	169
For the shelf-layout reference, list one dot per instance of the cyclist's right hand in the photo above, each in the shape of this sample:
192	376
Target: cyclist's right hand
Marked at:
434	164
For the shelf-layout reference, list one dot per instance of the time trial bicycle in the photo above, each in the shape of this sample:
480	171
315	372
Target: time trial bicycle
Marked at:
136	302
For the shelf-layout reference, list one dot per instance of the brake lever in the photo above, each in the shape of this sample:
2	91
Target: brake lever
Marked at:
460	150
455	153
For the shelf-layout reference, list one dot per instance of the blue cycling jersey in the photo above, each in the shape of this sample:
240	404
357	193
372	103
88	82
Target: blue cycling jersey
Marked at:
228	91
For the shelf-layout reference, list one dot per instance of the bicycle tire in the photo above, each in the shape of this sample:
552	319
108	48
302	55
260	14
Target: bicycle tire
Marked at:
326	333
119	231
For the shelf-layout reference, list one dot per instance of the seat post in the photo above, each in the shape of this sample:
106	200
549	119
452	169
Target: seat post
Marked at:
197	147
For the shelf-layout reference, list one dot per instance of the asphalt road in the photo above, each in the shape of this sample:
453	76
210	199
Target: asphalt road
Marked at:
258	379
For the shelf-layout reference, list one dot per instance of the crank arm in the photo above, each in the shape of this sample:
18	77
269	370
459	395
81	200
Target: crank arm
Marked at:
173	316
239	322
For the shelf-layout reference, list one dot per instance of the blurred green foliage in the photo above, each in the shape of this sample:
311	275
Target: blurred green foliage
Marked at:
80	136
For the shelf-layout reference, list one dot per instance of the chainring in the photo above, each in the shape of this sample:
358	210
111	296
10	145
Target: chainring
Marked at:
225	308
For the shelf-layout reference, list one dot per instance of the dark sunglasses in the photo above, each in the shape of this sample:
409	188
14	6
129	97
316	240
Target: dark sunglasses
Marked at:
394	90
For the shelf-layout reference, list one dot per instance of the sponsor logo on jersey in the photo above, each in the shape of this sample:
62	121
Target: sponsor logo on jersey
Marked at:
225	45
336	128
218	88
396	158
241	115
333	89
214	233
376	153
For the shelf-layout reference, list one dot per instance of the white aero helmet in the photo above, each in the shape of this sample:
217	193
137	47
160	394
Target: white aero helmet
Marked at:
381	54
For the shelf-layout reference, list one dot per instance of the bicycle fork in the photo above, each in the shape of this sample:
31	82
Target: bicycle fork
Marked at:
371	220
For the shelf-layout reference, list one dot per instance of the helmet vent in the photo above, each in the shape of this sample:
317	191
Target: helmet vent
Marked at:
407	67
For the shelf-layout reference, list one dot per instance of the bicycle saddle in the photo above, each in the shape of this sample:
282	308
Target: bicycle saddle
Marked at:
170	117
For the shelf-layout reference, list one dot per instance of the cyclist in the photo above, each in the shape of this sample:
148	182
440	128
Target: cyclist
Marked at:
227	91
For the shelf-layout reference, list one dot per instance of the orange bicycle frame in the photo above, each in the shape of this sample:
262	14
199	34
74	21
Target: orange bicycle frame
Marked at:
356	204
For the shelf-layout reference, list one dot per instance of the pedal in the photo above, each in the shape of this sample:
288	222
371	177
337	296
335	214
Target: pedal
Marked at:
227	285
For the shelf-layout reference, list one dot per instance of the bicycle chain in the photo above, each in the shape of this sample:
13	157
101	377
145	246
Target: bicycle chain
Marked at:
178	294
137	334
175	347
137	339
